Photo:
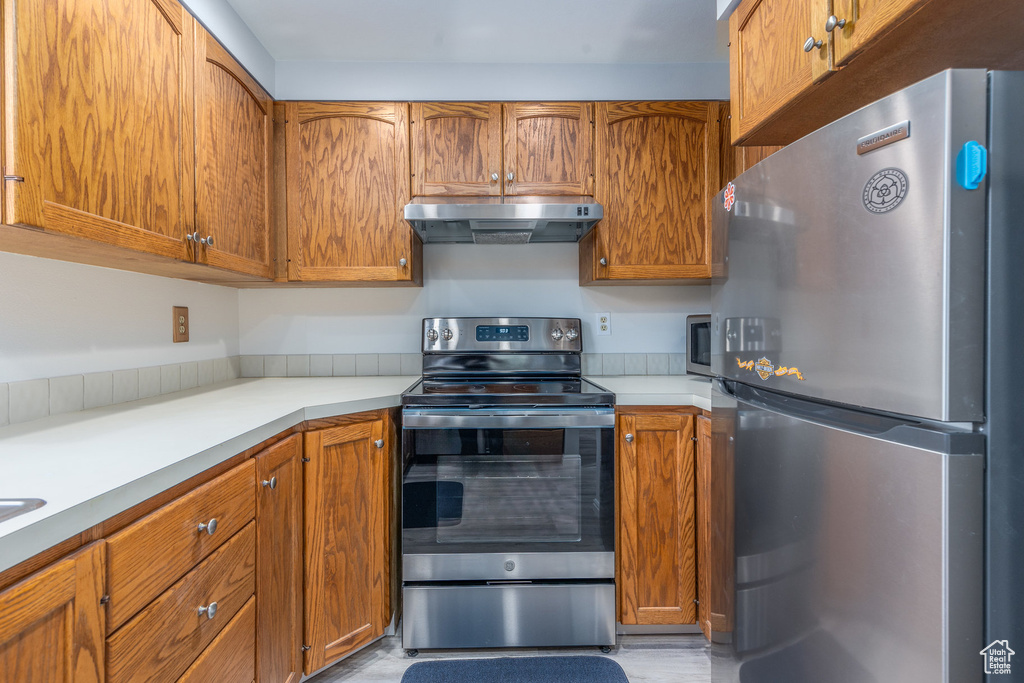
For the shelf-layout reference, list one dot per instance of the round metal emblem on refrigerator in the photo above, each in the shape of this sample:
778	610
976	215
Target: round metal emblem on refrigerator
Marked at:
885	190
509	565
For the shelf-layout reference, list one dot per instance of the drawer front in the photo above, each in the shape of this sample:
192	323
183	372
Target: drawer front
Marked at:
151	554
163	640
231	657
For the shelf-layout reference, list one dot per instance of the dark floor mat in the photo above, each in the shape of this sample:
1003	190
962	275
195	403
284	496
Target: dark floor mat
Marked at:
517	670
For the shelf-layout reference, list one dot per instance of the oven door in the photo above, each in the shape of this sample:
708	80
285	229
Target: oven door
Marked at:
508	494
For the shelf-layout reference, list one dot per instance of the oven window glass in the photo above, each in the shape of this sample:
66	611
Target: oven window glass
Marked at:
493	490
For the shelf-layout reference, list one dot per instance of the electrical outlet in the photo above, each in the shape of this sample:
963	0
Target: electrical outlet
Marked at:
604	324
180	324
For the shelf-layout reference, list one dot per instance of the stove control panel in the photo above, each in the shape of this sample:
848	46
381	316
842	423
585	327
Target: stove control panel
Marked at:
501	335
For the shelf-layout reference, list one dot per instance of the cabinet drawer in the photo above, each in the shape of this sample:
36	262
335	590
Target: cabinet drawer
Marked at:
231	657
163	640
148	556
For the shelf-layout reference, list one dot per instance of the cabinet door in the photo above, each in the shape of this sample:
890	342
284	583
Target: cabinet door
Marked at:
234	129
347	187
99	122
657	172
279	561
767	61
657	575
549	148
456	148
703	466
866	20
52	623
347	546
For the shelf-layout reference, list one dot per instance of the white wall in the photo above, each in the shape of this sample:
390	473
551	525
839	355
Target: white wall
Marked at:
61	318
223	22
467	280
300	80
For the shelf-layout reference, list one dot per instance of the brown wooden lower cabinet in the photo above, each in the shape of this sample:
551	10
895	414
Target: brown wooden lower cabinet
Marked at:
52	623
657	531
347	538
279	561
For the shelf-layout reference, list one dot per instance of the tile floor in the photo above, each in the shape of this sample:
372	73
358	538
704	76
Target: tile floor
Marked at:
652	659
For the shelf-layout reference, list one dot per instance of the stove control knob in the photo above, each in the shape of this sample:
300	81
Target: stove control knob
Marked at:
432	335
556	333
571	334
447	334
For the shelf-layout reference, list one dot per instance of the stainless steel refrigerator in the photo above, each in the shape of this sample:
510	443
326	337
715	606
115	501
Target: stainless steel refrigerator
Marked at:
868	433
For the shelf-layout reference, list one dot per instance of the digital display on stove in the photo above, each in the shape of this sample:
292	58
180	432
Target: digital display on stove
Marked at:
501	333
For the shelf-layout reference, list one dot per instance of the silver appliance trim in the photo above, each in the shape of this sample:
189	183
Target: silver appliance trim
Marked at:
507	566
507	418
513	222
458	335
508	615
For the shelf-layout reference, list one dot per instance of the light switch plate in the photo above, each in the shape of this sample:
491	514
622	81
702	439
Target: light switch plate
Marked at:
180	324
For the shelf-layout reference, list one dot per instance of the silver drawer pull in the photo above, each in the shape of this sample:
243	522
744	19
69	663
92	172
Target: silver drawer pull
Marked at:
379	443
209	527
629	438
210	610
272	483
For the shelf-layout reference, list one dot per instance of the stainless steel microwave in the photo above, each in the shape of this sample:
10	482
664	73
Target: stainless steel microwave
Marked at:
698	345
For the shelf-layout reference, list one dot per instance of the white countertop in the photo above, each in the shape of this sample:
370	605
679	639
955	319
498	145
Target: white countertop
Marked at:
658	390
92	465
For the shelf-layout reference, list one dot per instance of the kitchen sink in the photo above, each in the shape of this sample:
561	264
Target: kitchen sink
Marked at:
12	507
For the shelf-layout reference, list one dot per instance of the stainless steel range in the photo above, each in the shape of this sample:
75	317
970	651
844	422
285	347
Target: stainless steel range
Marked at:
508	489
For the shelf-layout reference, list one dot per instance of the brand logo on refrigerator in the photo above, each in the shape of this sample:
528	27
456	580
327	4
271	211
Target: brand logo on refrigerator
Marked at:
765	369
885	190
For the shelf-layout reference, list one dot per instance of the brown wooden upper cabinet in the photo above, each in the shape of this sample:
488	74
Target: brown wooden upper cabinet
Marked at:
489	149
778	48
347	187
657	172
99	121
857	22
234	132
347	538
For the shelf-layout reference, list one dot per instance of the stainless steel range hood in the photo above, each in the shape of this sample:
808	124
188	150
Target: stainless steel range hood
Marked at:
516	220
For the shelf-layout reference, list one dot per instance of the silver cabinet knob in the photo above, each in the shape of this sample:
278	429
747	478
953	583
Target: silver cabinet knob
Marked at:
511	176
556	333
446	334
811	44
571	334
208	240
494	177
193	236
432	335
209	527
379	443
210	610
271	483
603	261
629	438
833	23
402	262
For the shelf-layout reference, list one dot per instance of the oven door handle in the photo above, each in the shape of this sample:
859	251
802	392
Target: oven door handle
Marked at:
508	418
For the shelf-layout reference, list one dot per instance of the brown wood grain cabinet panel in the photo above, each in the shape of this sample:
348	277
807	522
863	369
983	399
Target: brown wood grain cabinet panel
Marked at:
657	172
657	562
162	640
456	148
279	561
865	21
234	172
549	148
51	624
151	554
347	548
231	656
98	121
703	467
347	187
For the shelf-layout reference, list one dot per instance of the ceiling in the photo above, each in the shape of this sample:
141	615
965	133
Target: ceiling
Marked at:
485	31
